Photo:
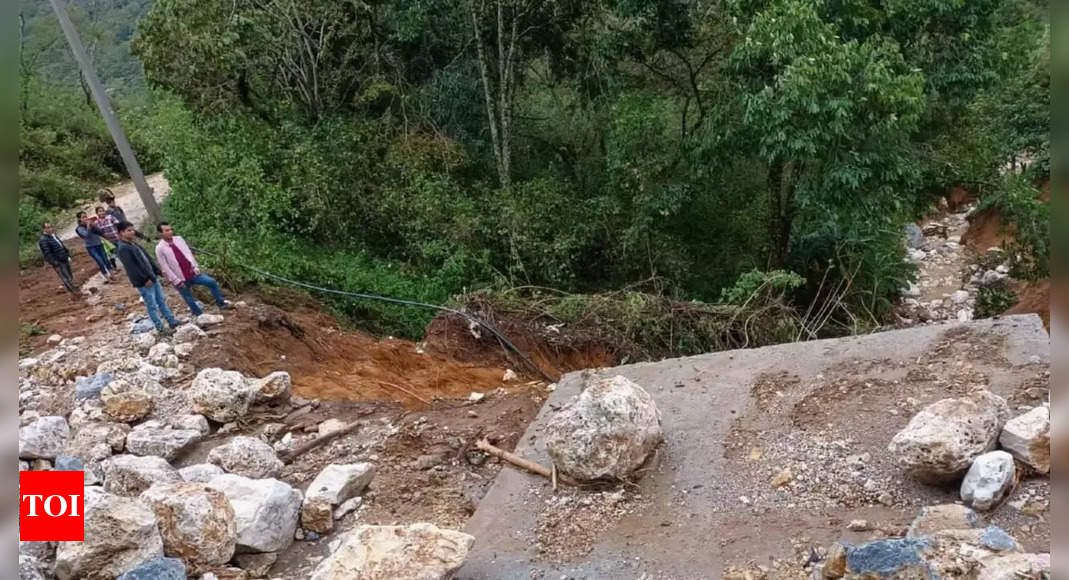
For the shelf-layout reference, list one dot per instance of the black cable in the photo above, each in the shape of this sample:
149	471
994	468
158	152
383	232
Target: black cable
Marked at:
364	296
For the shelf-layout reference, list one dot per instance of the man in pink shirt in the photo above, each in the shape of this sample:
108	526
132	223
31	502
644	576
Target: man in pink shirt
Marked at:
180	266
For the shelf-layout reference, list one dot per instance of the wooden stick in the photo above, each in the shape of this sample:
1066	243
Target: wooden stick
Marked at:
291	455
538	469
406	391
554	480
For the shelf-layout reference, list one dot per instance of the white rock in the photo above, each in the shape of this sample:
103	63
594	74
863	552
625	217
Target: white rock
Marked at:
348	506
205	320
1014	566
608	431
130	475
54	339
143	341
1027	437
188	333
193	422
1002	269
120	534
941	441
266	511
183	349
44	438
419	551
964	314
510	375
196	522
30	568
330	426
154	438
335	484
988	480
200	472
246	456
274	386
959	297
26	364
220	395
160	349
475	397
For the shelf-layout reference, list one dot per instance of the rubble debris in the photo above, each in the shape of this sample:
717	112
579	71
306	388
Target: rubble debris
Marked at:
1027	437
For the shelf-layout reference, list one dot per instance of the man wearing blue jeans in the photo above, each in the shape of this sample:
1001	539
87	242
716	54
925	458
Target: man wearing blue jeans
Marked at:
180	265
144	275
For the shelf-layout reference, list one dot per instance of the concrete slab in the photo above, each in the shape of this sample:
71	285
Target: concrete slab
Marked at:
735	422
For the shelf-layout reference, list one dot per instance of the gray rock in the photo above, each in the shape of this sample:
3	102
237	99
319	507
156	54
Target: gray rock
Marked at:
607	432
96	441
334	484
1027	437
988	480
152	438
195	422
348	506
941	441
30	568
44	438
188	333
419	551
219	395
130	475
205	320
90	387
246	456
197	523
886	557
914	236
143	341
69	463
120	534
200	472
142	325
266	511
158	569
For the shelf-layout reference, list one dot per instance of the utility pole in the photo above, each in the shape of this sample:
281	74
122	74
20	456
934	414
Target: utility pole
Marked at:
101	98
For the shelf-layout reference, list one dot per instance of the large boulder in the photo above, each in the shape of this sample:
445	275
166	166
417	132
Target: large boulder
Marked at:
125	403
334	485
988	480
607	432
155	438
158	569
197	523
130	475
416	552
247	456
1027	437
266	511
941	441
120	534
44	438
220	395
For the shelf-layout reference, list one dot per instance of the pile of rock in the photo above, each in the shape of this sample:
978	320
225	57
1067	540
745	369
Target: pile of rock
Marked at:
944	541
957	438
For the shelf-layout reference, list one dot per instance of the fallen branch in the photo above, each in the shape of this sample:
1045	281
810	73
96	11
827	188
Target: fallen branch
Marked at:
289	456
536	468
406	391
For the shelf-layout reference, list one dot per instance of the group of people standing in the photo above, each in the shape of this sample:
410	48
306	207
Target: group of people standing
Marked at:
109	229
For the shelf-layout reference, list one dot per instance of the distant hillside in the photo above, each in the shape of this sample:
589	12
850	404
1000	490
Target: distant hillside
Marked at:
106	28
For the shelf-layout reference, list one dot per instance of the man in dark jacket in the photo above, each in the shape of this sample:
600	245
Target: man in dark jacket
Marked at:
144	274
56	254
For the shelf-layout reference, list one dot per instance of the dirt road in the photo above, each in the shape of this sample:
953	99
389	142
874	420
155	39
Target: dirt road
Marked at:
125	197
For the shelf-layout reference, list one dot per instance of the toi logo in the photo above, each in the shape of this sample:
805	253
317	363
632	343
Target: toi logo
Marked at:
51	506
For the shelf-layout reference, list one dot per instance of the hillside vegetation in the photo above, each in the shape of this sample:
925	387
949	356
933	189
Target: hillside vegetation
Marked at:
426	149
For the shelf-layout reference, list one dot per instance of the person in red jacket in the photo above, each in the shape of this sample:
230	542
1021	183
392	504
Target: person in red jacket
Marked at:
180	266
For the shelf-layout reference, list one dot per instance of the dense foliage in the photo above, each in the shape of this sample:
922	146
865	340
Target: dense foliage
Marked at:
422	149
